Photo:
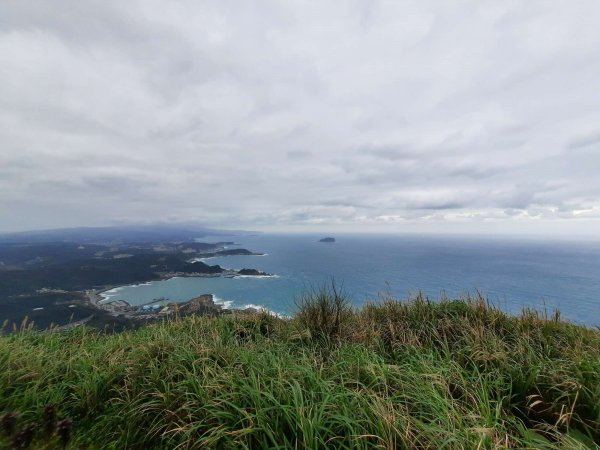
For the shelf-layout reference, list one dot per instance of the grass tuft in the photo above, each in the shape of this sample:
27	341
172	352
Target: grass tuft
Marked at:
418	374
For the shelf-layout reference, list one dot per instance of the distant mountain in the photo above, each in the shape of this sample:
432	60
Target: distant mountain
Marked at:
118	234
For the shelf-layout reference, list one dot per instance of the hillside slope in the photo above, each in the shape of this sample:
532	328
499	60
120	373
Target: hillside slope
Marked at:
458	374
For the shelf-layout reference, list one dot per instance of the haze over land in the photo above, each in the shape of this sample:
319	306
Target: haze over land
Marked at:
363	116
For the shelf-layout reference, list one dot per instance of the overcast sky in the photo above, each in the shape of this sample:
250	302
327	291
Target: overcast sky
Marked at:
454	116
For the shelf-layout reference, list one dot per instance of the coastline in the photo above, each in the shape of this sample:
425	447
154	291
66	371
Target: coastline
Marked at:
202	258
96	299
105	298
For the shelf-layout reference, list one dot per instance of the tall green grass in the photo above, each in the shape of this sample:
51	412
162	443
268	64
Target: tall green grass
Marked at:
455	374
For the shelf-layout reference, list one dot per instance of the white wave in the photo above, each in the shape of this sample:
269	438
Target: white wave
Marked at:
262	308
106	297
205	258
256	276
253	306
110	294
113	291
225	303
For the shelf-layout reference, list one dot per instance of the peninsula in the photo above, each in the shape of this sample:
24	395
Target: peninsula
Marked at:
50	282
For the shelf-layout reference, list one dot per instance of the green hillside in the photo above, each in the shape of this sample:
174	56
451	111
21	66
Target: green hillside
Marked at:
455	374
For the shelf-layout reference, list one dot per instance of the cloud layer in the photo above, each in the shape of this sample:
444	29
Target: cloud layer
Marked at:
358	115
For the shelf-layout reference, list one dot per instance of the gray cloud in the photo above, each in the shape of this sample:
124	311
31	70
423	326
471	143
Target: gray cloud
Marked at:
584	141
299	154
367	115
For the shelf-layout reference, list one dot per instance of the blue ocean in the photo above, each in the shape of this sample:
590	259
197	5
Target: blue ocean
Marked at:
511	273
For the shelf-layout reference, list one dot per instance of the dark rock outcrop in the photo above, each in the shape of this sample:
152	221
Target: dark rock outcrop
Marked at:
327	239
252	272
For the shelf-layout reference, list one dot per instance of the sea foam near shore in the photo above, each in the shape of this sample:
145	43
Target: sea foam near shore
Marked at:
224	303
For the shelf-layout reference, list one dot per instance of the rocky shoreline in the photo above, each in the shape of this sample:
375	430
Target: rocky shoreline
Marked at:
159	309
163	308
61	284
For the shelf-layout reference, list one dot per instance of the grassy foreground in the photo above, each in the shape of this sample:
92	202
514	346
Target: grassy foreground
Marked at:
455	374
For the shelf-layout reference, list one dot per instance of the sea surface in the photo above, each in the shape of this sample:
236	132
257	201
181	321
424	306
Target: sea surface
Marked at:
511	273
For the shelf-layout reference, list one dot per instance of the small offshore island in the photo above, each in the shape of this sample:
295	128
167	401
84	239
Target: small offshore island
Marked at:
327	239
